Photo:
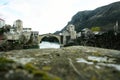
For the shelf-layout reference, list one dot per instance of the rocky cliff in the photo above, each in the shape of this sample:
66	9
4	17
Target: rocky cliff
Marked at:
104	17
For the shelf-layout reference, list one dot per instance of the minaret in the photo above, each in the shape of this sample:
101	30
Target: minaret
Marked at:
116	28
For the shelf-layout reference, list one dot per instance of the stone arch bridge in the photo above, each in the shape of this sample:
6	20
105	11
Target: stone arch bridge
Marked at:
58	37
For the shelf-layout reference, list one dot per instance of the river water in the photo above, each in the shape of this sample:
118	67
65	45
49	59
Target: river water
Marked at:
45	44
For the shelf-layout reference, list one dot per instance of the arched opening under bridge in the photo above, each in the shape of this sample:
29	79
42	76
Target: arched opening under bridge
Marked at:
49	41
52	39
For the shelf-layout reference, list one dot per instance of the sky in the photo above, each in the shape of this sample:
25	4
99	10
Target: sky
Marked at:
46	16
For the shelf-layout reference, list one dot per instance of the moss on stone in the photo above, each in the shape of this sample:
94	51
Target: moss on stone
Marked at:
5	64
40	74
5	60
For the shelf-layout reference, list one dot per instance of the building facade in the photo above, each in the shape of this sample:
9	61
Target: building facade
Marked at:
2	23
69	34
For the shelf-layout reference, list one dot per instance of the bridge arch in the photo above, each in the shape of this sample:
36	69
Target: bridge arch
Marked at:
41	37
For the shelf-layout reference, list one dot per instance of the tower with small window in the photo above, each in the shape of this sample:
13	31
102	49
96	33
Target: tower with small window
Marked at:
18	24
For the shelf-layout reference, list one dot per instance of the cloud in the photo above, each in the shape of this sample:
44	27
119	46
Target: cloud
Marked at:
51	14
46	16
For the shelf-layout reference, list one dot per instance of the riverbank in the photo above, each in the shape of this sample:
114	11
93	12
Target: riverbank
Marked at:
71	63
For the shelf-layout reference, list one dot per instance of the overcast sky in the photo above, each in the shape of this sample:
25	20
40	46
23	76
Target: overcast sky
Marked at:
46	16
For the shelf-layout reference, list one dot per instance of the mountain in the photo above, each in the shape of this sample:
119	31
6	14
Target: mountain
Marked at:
104	17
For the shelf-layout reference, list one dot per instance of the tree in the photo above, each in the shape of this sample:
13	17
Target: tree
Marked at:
95	29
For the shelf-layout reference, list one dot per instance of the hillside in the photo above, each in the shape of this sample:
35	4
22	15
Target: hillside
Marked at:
104	17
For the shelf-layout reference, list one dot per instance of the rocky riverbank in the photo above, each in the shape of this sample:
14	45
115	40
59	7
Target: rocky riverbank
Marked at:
69	63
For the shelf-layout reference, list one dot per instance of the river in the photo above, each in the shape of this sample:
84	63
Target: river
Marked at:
45	44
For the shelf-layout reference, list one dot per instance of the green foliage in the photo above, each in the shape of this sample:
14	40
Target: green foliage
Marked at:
96	29
1	30
29	67
5	64
5	60
40	74
46	68
31	46
23	71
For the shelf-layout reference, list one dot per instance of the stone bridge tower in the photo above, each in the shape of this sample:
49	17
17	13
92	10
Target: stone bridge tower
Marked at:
69	33
18	24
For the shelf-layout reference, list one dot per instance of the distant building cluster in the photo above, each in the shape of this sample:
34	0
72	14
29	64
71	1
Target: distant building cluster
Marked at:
70	35
18	30
27	37
17	34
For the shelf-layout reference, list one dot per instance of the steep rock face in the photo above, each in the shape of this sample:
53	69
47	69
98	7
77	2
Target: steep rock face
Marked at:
104	17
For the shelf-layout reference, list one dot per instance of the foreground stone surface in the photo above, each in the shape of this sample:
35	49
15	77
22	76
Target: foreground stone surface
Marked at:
71	63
